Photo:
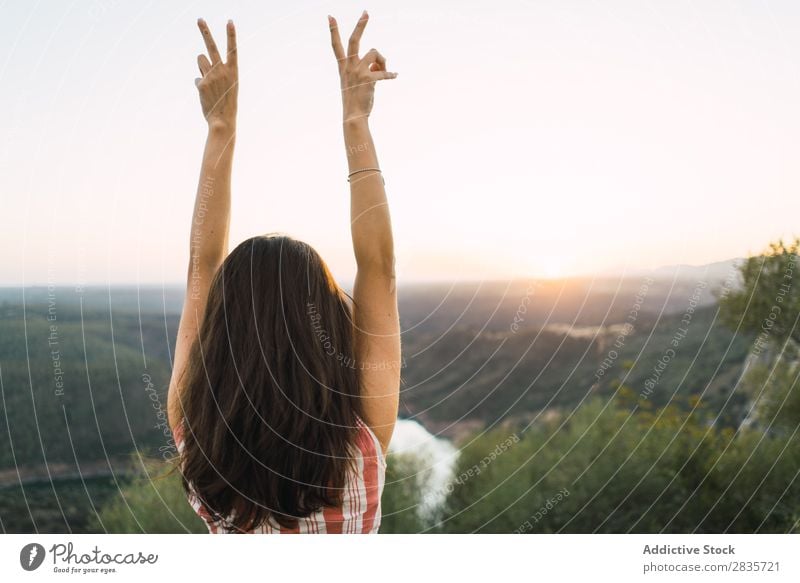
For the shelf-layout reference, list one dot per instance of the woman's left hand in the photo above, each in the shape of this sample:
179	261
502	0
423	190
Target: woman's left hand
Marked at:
219	84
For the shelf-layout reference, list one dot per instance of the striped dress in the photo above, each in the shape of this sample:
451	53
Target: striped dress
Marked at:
360	511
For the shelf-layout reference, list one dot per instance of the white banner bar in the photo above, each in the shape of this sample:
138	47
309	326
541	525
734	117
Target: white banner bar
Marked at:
407	558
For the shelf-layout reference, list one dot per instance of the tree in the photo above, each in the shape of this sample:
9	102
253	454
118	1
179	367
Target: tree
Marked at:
768	306
768	303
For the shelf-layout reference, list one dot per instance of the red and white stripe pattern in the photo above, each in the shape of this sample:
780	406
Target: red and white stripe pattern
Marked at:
360	511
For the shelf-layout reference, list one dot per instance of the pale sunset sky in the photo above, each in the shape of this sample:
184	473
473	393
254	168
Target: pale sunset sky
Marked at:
520	139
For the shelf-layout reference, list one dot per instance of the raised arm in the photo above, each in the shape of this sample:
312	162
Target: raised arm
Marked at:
218	87
375	293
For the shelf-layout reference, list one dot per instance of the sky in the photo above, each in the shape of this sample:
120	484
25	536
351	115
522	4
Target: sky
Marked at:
520	139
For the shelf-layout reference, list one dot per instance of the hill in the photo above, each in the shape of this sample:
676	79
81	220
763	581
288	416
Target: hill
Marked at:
84	374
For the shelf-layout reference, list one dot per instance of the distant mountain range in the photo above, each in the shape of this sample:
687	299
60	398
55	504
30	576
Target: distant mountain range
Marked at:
170	296
718	271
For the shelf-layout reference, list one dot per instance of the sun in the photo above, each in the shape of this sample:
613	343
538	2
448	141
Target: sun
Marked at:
551	268
544	266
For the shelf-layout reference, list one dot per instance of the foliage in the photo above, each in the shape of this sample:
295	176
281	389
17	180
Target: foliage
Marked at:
81	386
768	303
768	306
154	502
629	469
774	387
61	506
618	467
402	495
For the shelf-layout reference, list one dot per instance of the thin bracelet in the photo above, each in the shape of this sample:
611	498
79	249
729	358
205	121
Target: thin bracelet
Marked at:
354	172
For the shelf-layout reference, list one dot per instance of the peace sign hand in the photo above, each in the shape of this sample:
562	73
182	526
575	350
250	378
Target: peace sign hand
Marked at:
219	84
358	75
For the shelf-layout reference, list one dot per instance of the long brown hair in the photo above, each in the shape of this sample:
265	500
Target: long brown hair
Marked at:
270	395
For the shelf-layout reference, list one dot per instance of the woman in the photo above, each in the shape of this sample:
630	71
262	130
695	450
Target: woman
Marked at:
284	393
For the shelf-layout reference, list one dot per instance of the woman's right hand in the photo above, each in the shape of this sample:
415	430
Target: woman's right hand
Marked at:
357	75
219	84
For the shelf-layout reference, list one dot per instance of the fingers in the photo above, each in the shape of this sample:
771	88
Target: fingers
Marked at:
381	75
355	38
336	41
232	53
204	65
374	60
211	46
376	64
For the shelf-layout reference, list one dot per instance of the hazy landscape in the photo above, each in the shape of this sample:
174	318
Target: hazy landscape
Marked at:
84	376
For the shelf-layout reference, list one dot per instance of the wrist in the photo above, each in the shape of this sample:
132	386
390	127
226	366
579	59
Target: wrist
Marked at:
223	129
356	121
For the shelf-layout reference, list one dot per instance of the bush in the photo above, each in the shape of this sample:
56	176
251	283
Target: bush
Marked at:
406	481
614	469
152	503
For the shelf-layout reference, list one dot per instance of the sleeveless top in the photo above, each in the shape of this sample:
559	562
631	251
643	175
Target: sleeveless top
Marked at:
360	510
